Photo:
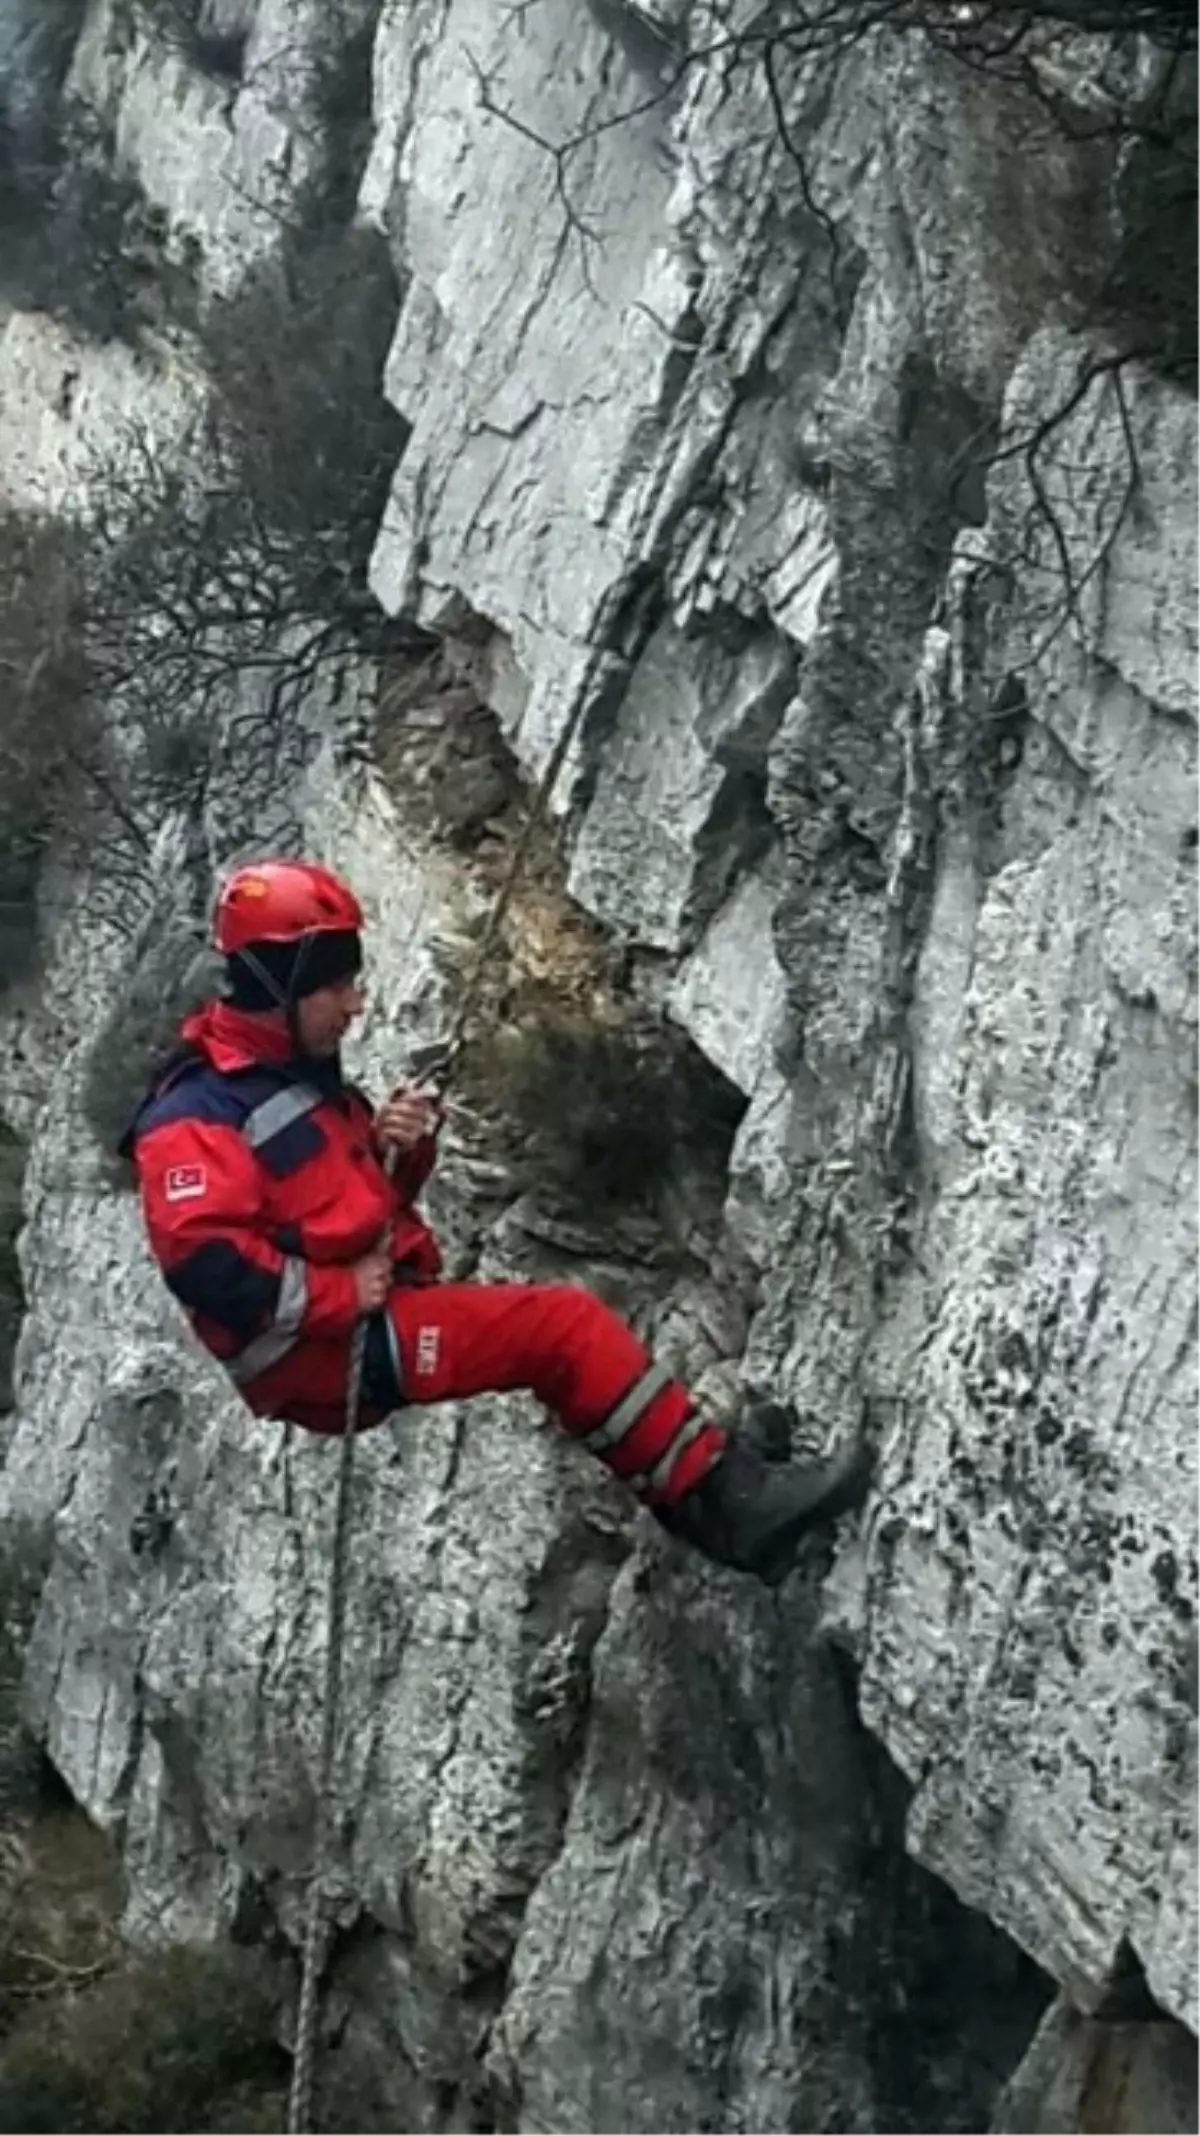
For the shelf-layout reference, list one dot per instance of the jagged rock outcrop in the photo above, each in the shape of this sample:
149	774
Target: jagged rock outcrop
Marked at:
975	823
782	420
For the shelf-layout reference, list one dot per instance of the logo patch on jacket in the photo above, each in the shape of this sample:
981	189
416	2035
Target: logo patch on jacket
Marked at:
185	1182
429	1343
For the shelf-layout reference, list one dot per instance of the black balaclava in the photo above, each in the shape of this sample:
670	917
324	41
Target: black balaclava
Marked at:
276	975
273	975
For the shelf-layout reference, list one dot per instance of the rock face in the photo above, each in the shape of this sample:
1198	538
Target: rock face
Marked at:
1084	2074
1042	1509
221	123
777	430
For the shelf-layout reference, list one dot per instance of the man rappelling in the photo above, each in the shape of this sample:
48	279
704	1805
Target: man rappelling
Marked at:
282	1210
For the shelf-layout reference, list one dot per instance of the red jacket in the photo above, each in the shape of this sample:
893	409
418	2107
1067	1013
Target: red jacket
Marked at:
261	1181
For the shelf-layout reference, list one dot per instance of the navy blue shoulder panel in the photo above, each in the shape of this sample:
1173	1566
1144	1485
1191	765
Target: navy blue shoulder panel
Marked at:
198	1091
290	1147
204	1096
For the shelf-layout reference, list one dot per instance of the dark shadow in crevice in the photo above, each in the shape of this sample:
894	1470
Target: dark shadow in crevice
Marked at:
955	2001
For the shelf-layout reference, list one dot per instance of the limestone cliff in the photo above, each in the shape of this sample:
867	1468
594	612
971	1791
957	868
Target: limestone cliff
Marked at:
817	414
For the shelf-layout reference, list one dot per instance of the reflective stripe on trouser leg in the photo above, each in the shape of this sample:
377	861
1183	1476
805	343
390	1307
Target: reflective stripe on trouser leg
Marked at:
619	1422
656	1480
659	1477
579	1358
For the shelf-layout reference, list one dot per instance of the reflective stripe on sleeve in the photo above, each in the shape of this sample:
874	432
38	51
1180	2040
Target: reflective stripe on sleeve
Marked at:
280	1110
284	1332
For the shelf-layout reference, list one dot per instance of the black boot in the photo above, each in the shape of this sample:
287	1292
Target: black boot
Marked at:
752	1514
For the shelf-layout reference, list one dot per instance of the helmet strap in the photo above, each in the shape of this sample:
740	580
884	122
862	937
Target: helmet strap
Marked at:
282	984
264	977
292	998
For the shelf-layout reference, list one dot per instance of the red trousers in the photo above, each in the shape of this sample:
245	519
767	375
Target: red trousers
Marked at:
453	1340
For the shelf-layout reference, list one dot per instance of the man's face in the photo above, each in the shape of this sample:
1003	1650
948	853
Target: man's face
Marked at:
323	1018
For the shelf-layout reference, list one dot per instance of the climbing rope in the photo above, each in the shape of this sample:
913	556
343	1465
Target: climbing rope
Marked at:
439	1065
320	1894
320	1887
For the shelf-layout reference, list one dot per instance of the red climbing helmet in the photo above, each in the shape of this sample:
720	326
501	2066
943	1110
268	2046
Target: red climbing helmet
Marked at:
283	901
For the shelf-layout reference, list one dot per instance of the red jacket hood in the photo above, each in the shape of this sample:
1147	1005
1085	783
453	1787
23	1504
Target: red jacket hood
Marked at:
233	1038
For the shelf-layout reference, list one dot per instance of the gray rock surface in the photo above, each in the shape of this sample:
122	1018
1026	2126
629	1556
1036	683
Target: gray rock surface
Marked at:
1083	2074
1043	1505
229	160
984	821
718	435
